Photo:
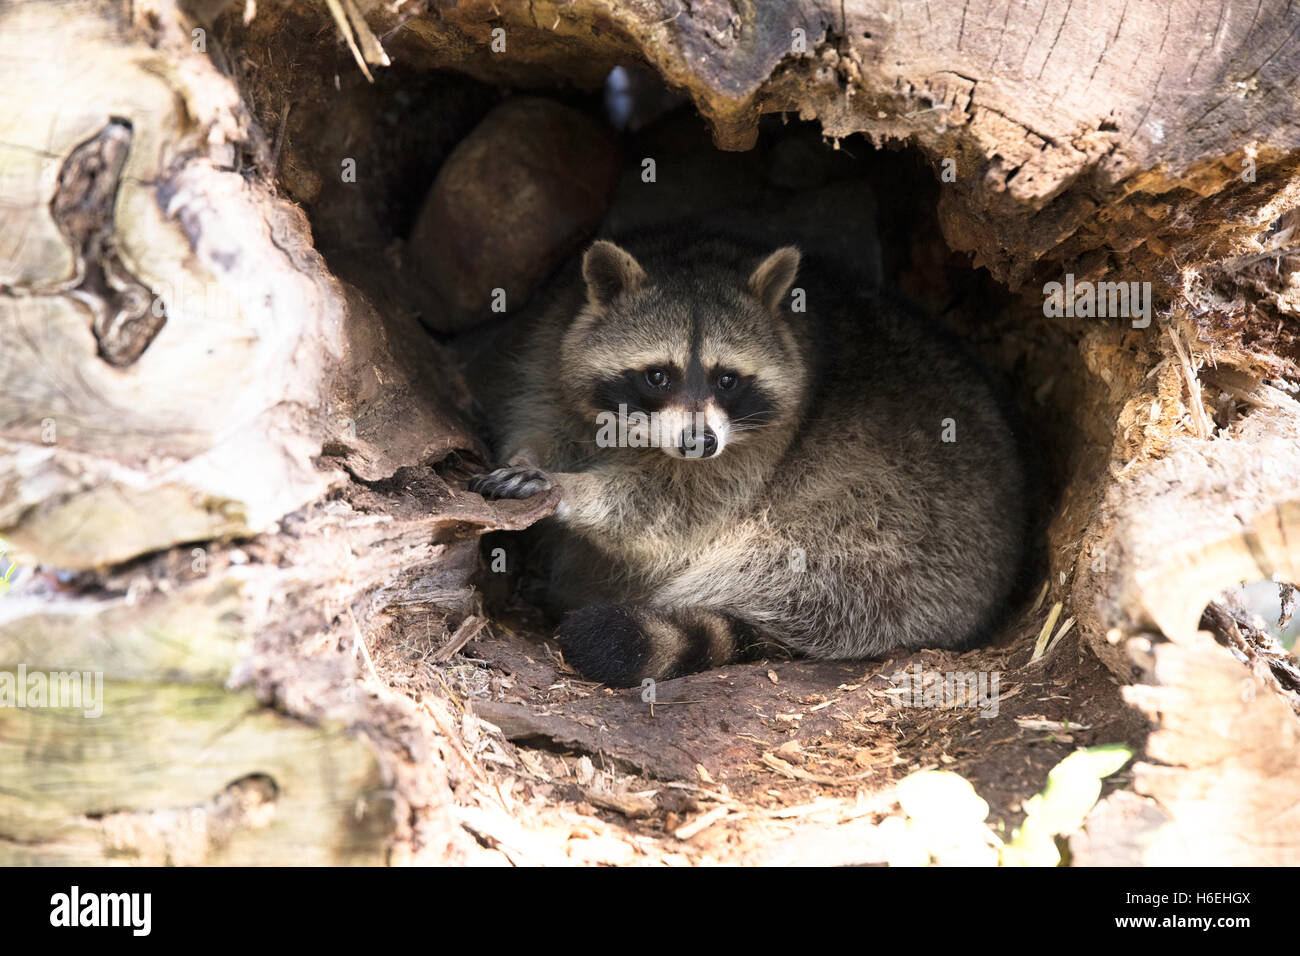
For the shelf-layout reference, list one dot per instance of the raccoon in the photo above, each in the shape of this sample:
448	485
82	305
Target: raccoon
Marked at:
805	467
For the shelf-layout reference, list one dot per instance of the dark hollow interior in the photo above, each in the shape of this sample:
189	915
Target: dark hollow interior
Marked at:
870	210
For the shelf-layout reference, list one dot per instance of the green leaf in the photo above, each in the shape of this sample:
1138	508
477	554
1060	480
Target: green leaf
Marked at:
941	798
1032	846
1074	785
905	846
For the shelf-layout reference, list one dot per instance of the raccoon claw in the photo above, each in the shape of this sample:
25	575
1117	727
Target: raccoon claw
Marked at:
510	482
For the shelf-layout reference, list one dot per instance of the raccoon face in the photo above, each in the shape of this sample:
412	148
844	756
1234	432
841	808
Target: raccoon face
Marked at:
692	361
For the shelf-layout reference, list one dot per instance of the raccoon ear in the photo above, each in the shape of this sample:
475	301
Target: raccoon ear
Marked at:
608	270
774	275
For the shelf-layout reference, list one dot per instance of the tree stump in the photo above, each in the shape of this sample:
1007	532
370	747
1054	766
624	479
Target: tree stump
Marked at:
232	468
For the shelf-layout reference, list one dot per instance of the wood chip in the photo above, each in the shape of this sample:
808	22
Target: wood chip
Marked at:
1040	646
1065	629
1042	596
467	631
1049	726
629	804
774	762
817	806
701	823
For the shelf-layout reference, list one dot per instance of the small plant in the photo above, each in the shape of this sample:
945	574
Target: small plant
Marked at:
7	566
945	816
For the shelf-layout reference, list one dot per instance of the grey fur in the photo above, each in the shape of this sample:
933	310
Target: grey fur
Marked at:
903	539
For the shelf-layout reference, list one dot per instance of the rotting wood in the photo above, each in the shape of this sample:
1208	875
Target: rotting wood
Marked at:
1069	141
1219	781
295	448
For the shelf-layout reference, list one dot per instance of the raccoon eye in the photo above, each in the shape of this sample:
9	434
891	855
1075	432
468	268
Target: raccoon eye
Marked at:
656	378
728	380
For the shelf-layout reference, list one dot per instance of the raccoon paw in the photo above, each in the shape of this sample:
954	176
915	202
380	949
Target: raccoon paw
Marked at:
605	643
516	481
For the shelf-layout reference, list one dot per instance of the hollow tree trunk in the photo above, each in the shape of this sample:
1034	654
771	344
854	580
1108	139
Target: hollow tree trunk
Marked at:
234	470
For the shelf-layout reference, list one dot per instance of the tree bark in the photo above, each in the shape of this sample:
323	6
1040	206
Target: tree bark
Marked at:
234	470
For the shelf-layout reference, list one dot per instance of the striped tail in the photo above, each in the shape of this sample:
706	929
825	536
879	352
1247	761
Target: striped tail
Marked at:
622	645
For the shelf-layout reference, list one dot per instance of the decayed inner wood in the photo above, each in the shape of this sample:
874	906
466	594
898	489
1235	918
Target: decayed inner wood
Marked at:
126	320
321	484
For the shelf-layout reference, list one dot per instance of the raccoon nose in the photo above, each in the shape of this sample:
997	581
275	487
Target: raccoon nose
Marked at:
699	444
